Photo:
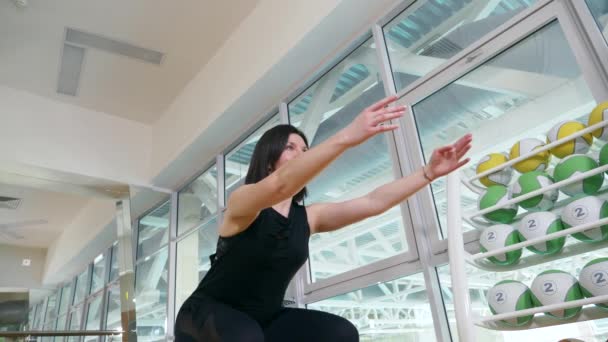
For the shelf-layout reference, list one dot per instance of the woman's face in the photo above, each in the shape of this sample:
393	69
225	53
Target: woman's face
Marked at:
294	148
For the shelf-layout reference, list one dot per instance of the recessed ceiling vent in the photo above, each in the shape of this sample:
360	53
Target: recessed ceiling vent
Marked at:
74	50
9	202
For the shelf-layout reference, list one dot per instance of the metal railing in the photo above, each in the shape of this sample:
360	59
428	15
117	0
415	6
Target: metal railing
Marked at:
30	335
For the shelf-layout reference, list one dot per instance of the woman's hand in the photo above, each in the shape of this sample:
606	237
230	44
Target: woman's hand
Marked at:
448	158
372	121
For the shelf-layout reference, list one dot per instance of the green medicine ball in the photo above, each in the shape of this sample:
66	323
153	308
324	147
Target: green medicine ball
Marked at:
556	287
603	158
574	165
499	236
532	181
497	194
539	224
509	296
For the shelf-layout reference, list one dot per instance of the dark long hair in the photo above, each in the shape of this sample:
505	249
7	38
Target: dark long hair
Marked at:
267	152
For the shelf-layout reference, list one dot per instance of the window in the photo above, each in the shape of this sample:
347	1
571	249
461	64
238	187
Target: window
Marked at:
153	230
82	285
236	162
114	263
151	278
428	33
397	310
327	106
98	281
521	93
193	262
94	317
599	10
197	202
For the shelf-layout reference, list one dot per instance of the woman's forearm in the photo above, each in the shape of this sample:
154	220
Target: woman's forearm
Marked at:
296	173
395	192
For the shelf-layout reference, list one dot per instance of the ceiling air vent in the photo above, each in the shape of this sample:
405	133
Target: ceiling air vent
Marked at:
9	202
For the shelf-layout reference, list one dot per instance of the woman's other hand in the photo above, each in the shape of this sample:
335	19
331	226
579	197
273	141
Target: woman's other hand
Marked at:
371	121
448	158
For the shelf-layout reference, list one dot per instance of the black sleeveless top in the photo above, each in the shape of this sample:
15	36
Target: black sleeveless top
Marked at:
250	271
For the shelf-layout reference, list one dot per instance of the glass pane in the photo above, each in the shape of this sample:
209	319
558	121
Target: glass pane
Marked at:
61	322
428	33
94	317
75	319
322	110
237	161
197	201
193	259
38	316
66	297
81	287
599	9
99	265
519	94
151	277
114	263
31	317
113	309
397	310
153	230
479	282
51	309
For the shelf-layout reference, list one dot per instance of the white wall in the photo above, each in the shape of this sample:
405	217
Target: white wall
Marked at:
80	242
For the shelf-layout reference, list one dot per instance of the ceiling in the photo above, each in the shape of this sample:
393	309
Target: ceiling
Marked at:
187	32
39	218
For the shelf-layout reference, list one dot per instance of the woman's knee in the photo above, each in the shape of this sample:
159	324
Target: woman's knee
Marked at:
344	330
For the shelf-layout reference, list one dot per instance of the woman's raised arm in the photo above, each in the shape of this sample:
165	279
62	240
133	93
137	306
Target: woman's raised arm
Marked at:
248	200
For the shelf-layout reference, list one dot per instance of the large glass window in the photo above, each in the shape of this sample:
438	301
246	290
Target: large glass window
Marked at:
153	230
322	110
114	263
428	33
236	162
193	262
61	322
82	285
599	9
113	309
51	309
66	298
75	320
94	316
99	265
396	310
151	278
38	316
518	94
197	202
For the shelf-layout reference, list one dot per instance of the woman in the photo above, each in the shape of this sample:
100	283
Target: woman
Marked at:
264	235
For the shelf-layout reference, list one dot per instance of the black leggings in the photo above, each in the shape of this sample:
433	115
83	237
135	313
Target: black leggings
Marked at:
211	321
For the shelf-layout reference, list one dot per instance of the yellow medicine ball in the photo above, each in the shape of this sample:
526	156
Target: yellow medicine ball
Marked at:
502	177
599	114
563	129
537	162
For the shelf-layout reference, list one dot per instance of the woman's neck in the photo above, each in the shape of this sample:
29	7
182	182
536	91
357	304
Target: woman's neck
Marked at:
283	207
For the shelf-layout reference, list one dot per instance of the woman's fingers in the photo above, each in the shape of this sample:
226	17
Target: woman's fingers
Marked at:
463	151
386	117
389	110
382	103
385	128
462	163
